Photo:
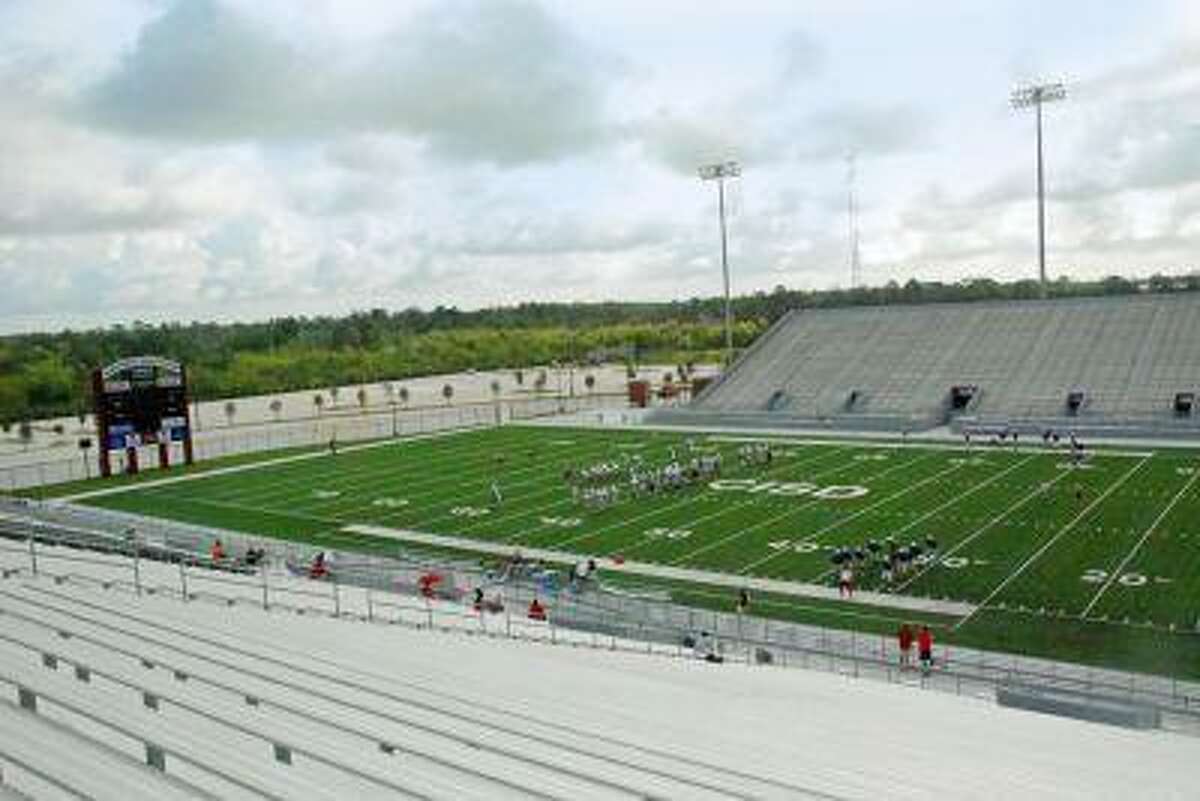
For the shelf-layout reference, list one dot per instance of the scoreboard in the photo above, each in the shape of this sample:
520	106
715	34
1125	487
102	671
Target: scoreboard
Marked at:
141	401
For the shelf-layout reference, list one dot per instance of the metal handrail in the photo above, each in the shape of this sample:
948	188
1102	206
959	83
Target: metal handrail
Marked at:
130	734
583	615
359	707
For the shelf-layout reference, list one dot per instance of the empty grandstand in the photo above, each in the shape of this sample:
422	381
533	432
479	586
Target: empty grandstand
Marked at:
124	690
1119	365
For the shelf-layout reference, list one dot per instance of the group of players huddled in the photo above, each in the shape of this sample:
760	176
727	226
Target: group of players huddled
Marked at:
755	454
892	560
631	476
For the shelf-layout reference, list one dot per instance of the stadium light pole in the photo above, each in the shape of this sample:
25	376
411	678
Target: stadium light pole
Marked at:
1036	96
719	172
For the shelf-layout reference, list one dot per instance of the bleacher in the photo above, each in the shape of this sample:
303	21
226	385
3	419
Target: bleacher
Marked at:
1111	365
110	694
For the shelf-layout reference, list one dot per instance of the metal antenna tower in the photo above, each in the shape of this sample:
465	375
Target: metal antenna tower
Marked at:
852	219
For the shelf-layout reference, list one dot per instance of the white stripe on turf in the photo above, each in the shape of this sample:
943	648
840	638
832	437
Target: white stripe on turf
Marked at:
793	588
1133	551
1049	543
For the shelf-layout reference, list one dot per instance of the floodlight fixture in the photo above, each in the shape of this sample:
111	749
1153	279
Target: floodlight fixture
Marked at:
719	172
1035	96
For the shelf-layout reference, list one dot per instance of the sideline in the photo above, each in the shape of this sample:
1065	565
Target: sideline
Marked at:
776	586
319	453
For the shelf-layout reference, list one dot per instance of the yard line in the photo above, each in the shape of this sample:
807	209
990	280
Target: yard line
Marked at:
1129	557
344	475
1037	554
656	570
773	518
434	482
937	509
899	444
859	513
691	498
979	532
520	509
551	473
735	506
431	485
241	468
379	475
787	513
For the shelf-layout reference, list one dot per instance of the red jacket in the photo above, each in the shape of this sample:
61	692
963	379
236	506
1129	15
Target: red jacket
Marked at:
906	638
925	641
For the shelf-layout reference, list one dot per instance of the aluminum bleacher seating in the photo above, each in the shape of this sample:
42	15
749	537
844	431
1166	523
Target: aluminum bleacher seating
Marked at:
1128	356
147	696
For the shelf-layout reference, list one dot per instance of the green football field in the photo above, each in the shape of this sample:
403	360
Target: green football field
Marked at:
1098	562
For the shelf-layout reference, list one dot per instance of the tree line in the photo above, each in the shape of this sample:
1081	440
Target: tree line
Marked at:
46	374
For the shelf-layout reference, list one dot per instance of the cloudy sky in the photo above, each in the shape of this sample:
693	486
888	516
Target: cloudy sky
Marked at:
236	159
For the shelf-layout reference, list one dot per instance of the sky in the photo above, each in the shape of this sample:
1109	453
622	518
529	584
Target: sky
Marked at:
242	159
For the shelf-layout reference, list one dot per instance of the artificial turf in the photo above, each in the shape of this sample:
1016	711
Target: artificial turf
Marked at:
1098	563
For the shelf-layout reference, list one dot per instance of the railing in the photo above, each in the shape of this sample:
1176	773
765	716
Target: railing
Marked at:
387	589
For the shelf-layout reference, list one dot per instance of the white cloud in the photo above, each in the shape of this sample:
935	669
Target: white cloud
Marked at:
500	81
225	158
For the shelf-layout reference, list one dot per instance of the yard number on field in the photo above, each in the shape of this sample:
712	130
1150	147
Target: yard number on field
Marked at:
797	546
562	522
660	533
1097	576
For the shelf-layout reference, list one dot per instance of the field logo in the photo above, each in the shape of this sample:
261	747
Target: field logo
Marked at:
325	494
1185	471
792	489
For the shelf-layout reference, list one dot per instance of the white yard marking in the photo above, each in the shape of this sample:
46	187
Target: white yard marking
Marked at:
775	518
937	509
390	503
1050	543
241	468
790	588
688	499
1133	551
842	521
1042	488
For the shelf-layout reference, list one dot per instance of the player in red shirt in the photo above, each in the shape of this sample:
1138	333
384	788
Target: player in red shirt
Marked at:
925	649
536	610
906	644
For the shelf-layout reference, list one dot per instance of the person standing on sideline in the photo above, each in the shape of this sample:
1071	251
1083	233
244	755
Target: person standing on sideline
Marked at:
925	649
846	583
906	643
743	600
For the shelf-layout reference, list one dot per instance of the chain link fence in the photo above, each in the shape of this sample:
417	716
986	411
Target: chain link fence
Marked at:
419	590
